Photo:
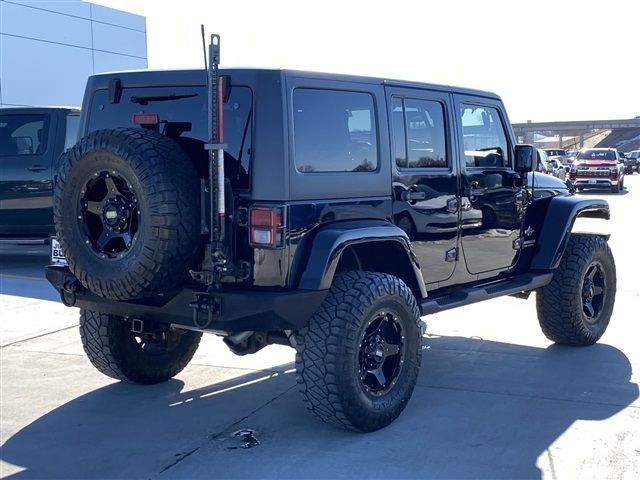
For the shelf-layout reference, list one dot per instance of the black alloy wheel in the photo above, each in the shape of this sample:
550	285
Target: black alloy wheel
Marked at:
593	290
109	213
381	354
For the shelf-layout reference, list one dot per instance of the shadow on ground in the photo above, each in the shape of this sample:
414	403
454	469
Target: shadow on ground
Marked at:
481	409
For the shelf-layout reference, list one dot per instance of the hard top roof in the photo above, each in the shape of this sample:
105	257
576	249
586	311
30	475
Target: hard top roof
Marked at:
188	77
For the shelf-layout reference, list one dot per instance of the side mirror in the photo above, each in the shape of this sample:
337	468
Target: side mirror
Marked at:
525	155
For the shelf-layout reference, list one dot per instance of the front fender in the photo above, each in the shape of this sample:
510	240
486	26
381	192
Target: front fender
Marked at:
558	223
330	242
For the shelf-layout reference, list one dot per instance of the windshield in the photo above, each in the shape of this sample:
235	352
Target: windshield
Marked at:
596	155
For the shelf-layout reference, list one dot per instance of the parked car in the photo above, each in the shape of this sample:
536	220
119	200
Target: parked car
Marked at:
571	155
542	162
31	141
288	232
632	162
557	169
597	168
565	157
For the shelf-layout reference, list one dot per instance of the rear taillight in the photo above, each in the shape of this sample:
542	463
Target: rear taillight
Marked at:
266	226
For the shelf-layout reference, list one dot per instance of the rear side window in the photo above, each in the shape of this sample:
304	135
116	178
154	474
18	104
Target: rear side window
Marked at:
23	134
334	131
485	141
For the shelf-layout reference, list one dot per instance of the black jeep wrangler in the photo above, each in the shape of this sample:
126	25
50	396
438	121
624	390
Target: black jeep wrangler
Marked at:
324	212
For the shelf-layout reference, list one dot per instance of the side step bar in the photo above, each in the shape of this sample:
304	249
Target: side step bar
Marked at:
521	283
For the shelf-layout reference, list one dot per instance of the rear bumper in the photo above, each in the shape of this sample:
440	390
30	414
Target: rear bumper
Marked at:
229	311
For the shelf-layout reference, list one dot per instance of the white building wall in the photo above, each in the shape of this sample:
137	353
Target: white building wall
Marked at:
48	48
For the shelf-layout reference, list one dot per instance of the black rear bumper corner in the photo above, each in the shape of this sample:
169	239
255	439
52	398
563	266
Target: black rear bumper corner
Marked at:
228	311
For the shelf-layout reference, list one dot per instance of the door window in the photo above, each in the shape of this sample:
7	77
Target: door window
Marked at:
485	141
23	135
418	133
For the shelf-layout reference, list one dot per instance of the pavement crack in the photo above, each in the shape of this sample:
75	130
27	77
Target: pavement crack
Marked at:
552	466
38	336
178	460
215	436
530	397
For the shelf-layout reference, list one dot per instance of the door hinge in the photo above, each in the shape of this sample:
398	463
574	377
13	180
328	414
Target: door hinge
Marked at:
451	255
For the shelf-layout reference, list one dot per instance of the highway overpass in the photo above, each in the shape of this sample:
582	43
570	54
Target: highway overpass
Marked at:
576	130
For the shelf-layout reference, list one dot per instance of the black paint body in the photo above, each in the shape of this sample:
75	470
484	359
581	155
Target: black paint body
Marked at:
453	228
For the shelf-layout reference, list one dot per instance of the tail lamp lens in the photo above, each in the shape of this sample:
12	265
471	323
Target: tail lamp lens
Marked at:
266	226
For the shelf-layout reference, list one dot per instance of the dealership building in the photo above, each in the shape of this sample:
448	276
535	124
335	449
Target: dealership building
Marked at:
48	48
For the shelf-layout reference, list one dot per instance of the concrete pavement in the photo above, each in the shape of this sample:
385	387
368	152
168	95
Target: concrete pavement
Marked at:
494	399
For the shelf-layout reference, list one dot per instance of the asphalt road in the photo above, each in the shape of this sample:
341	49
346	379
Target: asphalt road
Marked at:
494	399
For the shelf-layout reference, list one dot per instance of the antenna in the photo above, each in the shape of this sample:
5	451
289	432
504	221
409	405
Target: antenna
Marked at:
204	49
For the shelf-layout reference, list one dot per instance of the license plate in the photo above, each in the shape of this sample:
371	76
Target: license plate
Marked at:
593	181
57	258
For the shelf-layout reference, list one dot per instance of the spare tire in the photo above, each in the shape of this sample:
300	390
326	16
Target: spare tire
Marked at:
127	213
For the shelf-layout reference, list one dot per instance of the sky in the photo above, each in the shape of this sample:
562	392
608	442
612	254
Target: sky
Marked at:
549	60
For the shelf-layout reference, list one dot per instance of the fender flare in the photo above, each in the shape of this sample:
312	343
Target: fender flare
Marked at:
328	244
558	223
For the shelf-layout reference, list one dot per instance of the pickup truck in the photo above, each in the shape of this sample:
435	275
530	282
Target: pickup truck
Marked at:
31	142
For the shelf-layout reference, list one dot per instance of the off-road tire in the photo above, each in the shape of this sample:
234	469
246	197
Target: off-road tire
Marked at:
113	349
560	303
328	351
168	197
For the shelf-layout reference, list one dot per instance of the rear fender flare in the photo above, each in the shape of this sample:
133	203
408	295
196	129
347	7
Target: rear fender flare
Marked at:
331	241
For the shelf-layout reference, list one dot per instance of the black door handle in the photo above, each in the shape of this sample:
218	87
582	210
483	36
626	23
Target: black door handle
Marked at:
36	168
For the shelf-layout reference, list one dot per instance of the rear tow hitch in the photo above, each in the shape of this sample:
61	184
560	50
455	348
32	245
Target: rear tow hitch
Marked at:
69	292
207	306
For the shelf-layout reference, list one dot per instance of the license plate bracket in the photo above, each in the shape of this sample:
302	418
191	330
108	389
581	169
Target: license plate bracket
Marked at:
57	258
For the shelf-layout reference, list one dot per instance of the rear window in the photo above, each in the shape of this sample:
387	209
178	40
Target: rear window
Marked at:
555	153
596	155
183	117
23	134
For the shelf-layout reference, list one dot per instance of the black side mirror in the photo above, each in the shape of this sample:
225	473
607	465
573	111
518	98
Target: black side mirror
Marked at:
525	155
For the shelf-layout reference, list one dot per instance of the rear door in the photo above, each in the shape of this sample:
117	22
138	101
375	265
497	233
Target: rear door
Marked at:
425	187
490	190
26	187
